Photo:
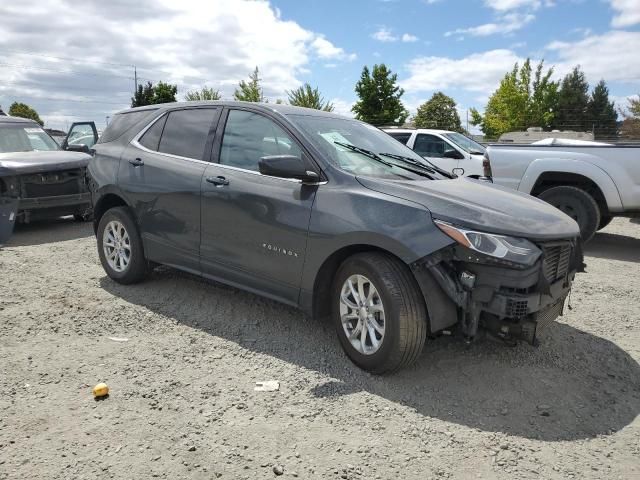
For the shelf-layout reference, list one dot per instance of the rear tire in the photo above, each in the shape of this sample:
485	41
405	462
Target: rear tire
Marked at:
577	204
391	304
120	247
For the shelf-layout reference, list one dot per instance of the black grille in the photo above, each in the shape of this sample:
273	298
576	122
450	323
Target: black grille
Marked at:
517	308
52	184
556	261
547	316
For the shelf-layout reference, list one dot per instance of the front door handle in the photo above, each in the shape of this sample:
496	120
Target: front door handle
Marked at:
218	181
136	162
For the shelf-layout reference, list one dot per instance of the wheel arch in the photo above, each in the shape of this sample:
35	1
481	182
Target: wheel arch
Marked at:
104	203
547	173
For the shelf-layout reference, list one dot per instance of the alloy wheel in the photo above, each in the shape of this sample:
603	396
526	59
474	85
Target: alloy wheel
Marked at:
117	246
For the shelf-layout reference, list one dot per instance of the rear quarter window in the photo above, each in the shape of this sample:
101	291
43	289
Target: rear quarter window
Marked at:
122	122
401	137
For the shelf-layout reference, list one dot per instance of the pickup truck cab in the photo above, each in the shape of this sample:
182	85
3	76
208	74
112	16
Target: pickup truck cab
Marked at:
330	215
451	151
589	181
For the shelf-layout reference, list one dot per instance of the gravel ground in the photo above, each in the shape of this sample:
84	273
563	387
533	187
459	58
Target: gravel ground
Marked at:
183	404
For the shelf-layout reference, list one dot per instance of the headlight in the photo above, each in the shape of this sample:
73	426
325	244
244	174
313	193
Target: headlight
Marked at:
510	249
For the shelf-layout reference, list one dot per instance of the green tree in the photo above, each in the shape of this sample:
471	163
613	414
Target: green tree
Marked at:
149	94
573	102
25	111
309	97
523	99
203	94
164	93
143	96
438	112
250	91
602	112
379	97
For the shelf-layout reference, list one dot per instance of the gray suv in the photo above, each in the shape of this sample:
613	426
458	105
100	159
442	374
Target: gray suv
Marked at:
333	216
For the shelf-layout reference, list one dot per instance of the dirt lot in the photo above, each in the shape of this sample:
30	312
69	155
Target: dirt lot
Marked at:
183	405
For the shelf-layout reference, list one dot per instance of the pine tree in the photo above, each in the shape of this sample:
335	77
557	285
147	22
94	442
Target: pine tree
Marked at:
573	102
250	91
306	96
143	95
438	112
602	112
379	96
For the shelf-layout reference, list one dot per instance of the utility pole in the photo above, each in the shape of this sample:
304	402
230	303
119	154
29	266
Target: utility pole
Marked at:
135	79
467	121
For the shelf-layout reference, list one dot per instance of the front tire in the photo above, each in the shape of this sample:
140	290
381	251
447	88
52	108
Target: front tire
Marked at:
577	204
120	247
379	312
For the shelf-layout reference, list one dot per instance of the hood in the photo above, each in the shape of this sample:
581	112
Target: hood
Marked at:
481	206
36	162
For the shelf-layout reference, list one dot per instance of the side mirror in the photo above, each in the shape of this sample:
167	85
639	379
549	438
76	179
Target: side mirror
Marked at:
79	147
456	155
286	166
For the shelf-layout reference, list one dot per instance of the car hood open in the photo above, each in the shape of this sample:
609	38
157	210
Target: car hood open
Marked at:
482	206
37	162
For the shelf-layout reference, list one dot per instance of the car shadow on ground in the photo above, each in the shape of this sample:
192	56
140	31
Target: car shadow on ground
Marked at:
614	247
575	386
49	231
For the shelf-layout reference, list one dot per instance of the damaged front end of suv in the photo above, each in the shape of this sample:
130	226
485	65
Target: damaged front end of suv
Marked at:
512	287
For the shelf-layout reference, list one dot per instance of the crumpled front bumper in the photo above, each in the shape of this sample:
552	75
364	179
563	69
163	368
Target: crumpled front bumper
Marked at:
511	301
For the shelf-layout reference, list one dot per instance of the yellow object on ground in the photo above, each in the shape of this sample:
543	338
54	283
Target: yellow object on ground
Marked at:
100	390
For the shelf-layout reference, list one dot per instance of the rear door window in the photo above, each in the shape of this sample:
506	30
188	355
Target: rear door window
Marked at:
186	131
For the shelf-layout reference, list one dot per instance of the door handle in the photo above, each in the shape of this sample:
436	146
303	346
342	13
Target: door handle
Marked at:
136	162
218	181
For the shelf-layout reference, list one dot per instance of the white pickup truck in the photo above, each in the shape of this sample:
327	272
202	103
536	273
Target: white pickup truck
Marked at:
448	150
590	182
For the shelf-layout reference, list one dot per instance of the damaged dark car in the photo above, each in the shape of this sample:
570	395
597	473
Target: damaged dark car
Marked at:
333	216
46	180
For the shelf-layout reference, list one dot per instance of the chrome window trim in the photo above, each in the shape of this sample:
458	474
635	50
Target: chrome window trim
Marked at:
135	142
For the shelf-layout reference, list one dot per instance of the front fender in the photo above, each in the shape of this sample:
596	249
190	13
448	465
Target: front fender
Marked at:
575	166
345	217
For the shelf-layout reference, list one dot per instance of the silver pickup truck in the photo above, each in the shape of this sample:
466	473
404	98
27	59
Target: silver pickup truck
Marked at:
590	182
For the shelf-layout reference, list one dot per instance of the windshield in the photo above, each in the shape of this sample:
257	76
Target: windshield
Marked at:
20	137
336	137
465	143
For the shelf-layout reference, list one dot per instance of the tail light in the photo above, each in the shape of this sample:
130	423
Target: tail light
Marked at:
486	166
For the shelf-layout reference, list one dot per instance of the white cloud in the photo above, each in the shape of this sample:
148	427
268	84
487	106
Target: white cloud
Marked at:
342	107
327	50
408	38
507	23
479	72
504	5
189	43
612	56
384	34
627	13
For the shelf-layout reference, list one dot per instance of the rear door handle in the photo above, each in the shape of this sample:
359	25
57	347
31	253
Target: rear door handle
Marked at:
218	181
136	162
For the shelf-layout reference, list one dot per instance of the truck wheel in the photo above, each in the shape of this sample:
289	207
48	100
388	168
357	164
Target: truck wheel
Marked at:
120	247
578	204
379	312
604	221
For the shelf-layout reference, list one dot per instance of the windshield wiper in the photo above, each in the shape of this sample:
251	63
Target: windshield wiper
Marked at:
433	168
365	152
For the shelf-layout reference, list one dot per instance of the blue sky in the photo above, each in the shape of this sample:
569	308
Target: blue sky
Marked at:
77	64
374	29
